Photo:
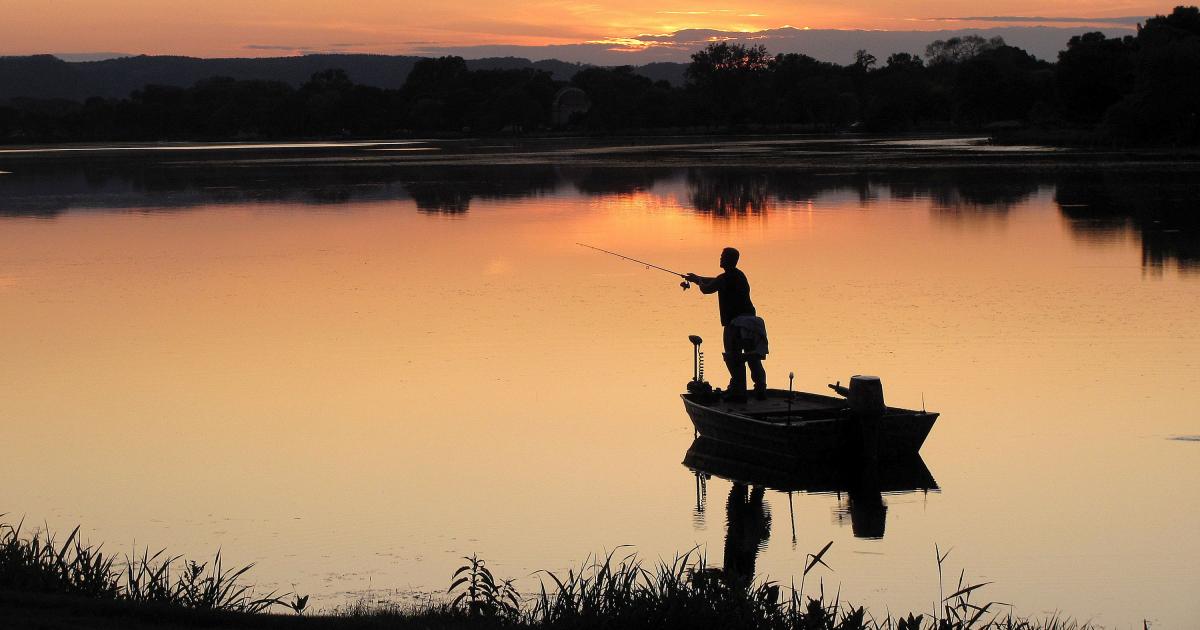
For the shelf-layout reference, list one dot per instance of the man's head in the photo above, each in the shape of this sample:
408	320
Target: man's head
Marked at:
729	258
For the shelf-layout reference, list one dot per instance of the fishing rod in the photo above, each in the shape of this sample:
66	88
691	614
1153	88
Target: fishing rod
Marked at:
685	284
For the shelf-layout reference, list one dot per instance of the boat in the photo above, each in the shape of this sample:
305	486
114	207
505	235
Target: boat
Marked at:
796	423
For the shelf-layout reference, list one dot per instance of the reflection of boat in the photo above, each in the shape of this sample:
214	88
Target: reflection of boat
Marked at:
795	474
863	481
812	425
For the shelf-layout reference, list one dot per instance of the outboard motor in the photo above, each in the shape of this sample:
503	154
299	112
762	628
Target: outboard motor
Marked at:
865	396
697	386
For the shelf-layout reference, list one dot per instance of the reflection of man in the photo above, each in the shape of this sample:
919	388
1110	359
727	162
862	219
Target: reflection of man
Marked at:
745	334
749	529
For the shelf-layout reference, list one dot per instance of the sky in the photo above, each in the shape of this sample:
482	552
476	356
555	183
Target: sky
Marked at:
237	28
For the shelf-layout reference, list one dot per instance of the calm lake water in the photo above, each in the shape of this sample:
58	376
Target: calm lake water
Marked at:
354	364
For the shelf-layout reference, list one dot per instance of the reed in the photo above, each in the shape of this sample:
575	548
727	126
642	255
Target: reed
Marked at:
37	563
616	589
621	591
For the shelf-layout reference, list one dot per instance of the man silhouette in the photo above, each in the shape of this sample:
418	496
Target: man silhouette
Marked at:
745	334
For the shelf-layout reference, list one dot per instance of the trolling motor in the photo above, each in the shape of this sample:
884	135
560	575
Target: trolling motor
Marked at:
697	386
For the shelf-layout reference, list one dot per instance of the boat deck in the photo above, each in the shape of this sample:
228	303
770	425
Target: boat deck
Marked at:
780	403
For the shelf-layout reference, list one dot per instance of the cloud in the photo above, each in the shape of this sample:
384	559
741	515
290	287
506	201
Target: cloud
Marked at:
273	47
708	12
1129	20
298	50
839	46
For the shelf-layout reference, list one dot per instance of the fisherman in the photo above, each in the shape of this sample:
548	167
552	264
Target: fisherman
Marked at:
745	333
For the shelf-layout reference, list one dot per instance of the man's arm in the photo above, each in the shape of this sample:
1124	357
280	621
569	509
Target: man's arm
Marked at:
707	285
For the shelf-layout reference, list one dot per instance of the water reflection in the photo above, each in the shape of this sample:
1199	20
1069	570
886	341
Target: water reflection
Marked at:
450	190
748	521
724	193
614	181
859	484
1158	207
1099	206
983	194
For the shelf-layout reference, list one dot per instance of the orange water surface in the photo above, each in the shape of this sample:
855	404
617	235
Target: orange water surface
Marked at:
354	394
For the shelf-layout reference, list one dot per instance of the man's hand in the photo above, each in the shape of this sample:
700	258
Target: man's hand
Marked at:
691	277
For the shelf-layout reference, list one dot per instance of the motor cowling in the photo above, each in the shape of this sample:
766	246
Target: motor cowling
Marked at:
865	395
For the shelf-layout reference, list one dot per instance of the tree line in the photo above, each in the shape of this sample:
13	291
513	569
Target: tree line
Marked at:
1140	89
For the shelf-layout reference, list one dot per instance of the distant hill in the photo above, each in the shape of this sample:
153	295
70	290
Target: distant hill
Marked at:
562	70
668	71
45	76
48	77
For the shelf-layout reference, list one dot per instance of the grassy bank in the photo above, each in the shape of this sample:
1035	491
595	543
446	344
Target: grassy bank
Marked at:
52	584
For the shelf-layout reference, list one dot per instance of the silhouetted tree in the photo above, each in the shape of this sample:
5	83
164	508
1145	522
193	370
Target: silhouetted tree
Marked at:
723	57
436	77
436	94
510	99
900	96
1001	83
807	91
904	61
1164	106
863	60
623	99
727	81
1092	74
959	49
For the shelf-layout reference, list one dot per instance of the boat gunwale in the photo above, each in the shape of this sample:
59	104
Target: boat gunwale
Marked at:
888	412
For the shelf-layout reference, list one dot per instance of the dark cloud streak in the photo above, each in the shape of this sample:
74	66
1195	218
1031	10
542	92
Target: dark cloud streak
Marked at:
1125	20
273	47
300	50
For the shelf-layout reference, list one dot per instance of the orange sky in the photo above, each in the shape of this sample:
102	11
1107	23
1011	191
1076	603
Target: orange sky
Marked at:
215	28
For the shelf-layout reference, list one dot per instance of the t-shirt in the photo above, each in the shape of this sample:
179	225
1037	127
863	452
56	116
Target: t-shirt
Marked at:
733	294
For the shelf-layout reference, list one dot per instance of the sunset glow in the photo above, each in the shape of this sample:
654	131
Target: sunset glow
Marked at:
225	28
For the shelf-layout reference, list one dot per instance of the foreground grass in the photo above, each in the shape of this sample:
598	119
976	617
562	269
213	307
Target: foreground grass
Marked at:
69	584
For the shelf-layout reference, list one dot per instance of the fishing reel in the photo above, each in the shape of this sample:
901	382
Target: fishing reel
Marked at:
685	285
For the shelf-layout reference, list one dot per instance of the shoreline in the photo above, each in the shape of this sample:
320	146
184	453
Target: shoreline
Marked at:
821	154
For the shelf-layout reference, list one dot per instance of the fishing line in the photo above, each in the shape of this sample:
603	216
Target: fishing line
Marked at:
685	284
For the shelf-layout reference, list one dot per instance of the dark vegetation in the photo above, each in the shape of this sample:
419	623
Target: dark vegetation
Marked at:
71	584
1136	90
39	564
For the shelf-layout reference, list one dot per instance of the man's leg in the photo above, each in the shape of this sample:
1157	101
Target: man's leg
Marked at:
734	360
757	373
